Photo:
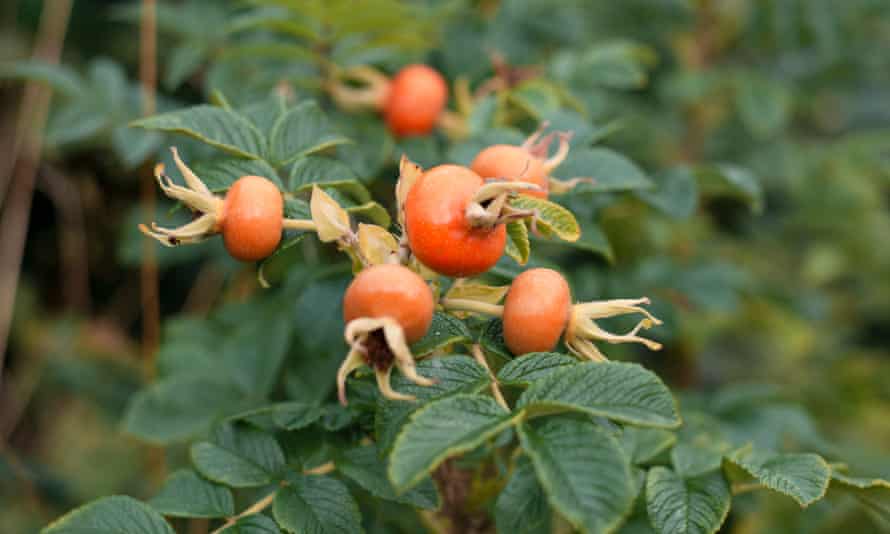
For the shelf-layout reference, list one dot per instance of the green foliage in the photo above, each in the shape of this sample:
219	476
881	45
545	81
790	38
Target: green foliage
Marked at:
738	163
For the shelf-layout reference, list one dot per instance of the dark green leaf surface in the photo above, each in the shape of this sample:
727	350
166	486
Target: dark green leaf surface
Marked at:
214	126
583	470
625	392
678	505
111	515
441	429
803	477
610	170
185	494
178	408
453	375
445	330
240	457
643	445
316	505
301	131
367	468
527	368
522	506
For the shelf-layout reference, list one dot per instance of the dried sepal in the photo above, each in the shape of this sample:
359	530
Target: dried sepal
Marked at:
538	146
370	95
409	172
197	197
583	330
488	207
396	353
331	221
377	245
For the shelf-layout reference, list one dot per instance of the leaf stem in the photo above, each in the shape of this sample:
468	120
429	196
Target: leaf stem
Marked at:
738	489
266	501
298	224
472	306
476	350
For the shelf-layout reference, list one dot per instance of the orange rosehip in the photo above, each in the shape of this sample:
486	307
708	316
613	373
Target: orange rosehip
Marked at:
417	96
536	311
252	218
439	232
394	291
513	163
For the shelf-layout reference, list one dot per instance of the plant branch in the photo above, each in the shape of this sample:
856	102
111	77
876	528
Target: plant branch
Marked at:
29	140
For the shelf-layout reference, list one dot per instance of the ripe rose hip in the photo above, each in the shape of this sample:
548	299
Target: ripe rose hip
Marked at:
252	218
417	95
439	233
385	307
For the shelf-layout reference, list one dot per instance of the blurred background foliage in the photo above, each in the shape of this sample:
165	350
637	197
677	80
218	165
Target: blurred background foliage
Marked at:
742	152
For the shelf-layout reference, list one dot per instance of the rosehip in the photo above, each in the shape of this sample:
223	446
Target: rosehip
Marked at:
439	233
394	291
417	96
252	218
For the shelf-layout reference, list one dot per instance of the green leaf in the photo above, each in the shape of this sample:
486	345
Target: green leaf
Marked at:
583	470
694	459
625	392
527	368
301	131
110	515
276	267
183	61
133	147
872	493
492	340
454	374
60	77
551	217
593	239
178	408
220	173
217	127
680	505
316	505
643	445
675	194
185	494
254	524
371	211
537	98
803	477
764	105
283	415
610	170
327	172
442	429
518	246
240	457
367	468
731	181
445	330
522	507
